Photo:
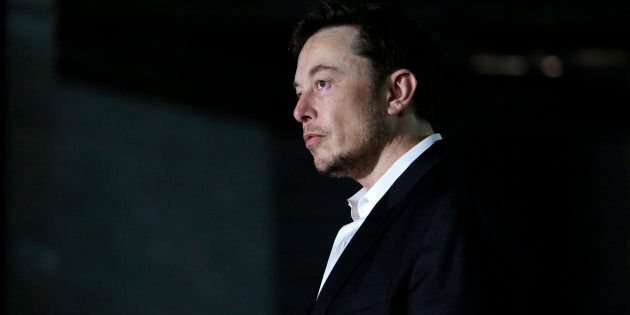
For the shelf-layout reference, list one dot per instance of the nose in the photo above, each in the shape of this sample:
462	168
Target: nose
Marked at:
304	110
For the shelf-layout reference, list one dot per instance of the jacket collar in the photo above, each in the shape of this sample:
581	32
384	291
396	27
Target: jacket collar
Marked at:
383	214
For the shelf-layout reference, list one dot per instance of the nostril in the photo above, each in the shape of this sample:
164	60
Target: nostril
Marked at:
299	114
303	111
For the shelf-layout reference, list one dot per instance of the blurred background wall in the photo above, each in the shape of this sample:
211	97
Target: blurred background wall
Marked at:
153	165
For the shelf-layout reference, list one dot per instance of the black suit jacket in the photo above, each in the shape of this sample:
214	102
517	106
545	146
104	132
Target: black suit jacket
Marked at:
424	249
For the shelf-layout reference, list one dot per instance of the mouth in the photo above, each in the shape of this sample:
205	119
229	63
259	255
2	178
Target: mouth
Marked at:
311	139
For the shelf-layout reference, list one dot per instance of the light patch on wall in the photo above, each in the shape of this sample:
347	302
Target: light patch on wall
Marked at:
492	64
597	57
551	66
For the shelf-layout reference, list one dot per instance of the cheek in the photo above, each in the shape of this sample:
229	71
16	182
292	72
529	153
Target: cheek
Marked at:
350	128
348	115
344	119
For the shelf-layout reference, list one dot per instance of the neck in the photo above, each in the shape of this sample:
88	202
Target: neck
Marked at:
404	137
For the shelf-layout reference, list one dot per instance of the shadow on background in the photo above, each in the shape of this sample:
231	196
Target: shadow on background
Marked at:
154	167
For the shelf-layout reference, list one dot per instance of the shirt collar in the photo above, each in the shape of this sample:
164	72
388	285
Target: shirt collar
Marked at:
363	201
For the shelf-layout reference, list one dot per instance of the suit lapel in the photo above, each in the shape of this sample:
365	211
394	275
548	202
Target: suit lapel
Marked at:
385	211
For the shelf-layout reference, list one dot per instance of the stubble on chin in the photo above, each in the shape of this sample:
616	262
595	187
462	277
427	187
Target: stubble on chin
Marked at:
359	161
336	166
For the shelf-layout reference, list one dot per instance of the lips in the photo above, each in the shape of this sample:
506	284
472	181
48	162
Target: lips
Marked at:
312	138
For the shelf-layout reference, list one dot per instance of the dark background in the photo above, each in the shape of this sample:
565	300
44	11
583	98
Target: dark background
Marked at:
153	165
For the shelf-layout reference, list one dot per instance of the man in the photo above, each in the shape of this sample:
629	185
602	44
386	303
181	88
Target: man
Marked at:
414	245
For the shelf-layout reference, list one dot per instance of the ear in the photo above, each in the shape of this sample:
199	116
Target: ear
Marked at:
402	87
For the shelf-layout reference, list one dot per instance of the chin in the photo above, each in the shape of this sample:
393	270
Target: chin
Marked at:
334	166
328	171
322	166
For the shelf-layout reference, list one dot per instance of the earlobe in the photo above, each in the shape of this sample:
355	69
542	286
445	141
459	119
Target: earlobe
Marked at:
402	89
395	107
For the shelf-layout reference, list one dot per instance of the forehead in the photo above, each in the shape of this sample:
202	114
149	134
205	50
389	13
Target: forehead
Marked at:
336	38
331	47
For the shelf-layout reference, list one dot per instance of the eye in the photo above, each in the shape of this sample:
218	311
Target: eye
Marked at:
322	84
297	95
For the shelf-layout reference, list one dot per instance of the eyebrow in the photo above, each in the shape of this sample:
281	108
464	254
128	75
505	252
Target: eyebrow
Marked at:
318	68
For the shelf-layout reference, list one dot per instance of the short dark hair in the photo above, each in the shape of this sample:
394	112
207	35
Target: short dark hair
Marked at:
388	37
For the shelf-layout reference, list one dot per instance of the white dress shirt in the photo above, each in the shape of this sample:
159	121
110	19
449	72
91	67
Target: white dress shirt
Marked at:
362	203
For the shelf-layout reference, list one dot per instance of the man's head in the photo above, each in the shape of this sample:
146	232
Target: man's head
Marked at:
358	70
388	38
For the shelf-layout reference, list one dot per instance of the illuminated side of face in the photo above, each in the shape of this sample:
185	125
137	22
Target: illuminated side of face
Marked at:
343	119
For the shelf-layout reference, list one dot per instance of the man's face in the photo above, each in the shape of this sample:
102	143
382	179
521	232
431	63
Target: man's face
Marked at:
342	117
